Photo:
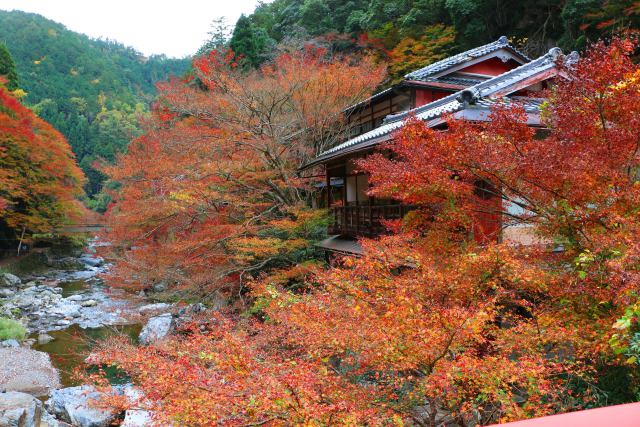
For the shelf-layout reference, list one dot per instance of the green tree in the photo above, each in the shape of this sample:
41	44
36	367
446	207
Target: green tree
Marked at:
218	36
316	17
249	41
8	68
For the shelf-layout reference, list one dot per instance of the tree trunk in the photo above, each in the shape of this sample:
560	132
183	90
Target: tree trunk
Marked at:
21	238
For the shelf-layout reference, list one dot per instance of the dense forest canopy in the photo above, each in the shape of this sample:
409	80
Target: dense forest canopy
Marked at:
401	30
93	91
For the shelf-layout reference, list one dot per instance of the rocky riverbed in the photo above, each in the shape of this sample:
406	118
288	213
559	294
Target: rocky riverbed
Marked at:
65	309
62	308
42	304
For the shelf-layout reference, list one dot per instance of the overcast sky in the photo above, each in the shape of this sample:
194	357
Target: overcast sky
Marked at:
174	27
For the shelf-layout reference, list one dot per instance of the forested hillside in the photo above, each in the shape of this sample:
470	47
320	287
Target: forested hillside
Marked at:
91	90
410	33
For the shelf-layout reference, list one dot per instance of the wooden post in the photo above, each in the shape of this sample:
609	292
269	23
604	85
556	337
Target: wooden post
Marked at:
357	206
326	167
344	204
370	210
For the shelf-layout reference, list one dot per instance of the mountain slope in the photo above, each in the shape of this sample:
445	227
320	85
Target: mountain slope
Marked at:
90	90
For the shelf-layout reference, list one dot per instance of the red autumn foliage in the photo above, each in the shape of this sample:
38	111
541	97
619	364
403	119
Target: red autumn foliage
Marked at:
39	178
210	193
429	327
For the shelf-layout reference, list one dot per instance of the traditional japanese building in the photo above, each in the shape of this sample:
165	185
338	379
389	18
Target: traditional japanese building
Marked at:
465	85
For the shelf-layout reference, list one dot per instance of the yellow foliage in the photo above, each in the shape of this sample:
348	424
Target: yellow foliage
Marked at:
19	93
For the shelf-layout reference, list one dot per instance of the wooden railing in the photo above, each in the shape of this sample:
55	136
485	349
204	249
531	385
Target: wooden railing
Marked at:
364	220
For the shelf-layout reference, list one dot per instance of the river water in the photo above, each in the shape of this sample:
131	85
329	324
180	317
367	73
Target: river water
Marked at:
113	313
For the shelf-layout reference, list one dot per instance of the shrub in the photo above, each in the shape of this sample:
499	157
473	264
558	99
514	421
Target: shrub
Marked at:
10	329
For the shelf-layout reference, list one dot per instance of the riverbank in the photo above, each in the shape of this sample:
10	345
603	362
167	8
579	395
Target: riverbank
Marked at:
64	308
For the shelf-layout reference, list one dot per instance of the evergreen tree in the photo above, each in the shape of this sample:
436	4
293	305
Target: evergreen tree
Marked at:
249	41
218	36
8	68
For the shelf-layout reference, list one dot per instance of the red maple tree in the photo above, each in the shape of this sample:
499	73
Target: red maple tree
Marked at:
210	193
39	178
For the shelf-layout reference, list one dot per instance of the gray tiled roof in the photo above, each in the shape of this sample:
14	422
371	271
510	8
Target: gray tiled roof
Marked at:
425	74
436	67
479	94
461	81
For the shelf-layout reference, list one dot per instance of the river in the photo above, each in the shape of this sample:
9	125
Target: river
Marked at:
67	310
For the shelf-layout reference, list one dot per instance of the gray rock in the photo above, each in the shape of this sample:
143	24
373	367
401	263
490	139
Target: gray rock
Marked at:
28	343
19	410
83	274
89	303
6	293
156	329
74	405
67	309
75	298
161	306
26	304
192	309
49	420
187	314
8	280
67	263
44	338
136	418
160	286
10	344
27	371
91	261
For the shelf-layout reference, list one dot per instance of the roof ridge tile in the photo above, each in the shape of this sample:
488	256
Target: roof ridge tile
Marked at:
461	57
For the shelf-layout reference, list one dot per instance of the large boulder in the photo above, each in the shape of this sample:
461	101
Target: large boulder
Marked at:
156	329
19	410
160	286
10	343
77	406
44	338
66	263
67	309
27	371
91	261
8	280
